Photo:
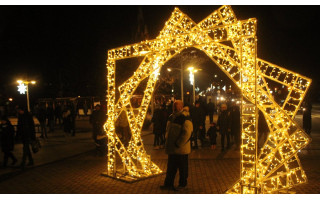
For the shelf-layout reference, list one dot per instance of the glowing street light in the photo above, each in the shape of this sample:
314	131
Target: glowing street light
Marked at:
192	70
23	87
181	78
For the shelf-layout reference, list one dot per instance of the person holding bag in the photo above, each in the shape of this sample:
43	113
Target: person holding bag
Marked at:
27	133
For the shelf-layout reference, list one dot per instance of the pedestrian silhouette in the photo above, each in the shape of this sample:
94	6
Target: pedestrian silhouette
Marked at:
223	125
7	140
212	133
210	110
27	132
97	120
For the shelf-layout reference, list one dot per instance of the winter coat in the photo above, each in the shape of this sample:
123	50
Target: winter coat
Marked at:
25	128
159	121
97	119
210	108
179	129
212	131
50	113
223	122
7	136
42	115
198	116
235	120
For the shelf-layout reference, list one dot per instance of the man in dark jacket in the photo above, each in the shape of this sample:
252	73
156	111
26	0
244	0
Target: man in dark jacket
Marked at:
158	123
50	116
235	124
97	120
27	132
41	116
198	120
210	110
223	125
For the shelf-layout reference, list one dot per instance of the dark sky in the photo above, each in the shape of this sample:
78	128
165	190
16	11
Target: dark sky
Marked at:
54	44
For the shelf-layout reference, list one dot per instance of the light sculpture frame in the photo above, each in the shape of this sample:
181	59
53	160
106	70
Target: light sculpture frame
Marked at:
277	166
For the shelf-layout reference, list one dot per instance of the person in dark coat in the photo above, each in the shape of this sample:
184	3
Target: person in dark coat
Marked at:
198	120
41	116
235	125
50	117
158	123
97	120
7	140
212	133
66	119
58	114
210	110
306	118
26	130
223	125
72	119
164	125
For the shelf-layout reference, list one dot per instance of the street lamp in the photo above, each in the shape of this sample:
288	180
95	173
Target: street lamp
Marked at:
192	70
23	87
181	78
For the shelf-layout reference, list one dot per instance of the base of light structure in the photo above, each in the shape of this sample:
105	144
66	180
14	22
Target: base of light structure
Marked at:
124	177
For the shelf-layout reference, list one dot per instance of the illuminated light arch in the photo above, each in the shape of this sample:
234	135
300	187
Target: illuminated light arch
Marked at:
277	166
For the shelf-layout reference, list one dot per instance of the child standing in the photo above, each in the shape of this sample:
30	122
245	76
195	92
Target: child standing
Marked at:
212	133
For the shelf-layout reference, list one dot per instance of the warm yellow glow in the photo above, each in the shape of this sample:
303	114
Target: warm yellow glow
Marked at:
33	82
190	69
277	166
19	81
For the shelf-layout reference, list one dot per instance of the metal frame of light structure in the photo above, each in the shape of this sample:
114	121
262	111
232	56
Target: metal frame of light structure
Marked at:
277	166
24	87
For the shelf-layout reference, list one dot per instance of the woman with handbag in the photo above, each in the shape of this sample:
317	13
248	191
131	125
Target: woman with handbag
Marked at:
27	133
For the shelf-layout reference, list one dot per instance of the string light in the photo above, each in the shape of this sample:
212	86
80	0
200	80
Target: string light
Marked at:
277	166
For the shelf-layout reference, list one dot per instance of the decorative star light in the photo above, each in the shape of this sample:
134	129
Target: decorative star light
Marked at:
22	88
277	166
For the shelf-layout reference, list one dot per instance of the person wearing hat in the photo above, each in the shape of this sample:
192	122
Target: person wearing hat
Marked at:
178	133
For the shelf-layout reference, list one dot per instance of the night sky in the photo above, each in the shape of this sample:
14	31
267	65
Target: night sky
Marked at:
64	47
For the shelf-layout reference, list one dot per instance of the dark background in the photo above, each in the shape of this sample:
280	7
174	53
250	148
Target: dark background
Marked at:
64	48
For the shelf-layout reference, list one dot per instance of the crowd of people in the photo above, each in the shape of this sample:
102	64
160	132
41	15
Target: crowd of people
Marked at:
25	133
63	115
228	124
48	116
184	129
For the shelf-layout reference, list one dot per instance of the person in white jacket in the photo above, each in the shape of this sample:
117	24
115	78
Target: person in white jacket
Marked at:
178	147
